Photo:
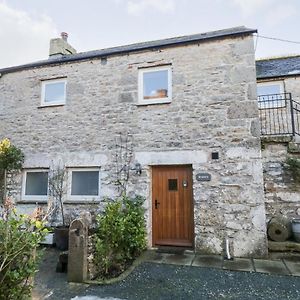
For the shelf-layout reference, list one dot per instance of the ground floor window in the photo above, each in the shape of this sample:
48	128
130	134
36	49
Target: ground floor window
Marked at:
84	184
35	184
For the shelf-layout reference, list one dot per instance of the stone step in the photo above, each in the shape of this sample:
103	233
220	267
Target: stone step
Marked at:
284	246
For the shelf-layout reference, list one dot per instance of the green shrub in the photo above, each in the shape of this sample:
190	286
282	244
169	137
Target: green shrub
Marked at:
19	238
293	165
120	235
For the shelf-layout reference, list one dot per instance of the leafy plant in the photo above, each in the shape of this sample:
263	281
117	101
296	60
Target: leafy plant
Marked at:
19	236
293	165
11	159
120	235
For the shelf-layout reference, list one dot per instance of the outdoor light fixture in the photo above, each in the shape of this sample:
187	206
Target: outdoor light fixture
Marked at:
138	168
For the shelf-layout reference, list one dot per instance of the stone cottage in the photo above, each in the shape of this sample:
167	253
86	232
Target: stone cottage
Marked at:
187	105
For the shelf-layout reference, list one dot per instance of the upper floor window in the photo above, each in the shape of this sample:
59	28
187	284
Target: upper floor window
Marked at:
270	94
155	85
53	92
35	185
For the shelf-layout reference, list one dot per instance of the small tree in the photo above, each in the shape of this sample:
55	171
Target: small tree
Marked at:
11	159
57	188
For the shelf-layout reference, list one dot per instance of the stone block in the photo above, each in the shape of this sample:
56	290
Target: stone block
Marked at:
242	110
78	250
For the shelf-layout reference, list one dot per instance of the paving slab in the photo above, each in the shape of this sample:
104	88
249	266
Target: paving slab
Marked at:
179	259
155	257
270	266
293	267
208	261
239	264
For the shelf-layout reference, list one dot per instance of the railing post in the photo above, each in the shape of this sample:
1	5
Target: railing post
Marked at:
292	114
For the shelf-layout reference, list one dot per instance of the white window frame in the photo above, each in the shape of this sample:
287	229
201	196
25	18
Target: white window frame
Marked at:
276	104
51	81
37	198
141	99
75	198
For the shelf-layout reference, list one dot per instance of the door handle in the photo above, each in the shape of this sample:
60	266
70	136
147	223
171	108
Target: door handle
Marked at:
156	204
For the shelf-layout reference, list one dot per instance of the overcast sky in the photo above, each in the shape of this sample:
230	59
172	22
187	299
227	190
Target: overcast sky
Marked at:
26	26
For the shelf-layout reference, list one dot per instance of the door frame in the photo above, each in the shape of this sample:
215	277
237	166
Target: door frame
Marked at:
192	204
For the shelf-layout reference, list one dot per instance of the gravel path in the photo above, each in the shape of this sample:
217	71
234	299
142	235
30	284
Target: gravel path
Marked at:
161	281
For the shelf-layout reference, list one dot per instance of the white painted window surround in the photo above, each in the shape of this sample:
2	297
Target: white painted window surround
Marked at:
155	85
53	92
83	184
35	185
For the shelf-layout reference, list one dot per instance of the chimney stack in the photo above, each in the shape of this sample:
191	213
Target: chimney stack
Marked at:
60	46
64	36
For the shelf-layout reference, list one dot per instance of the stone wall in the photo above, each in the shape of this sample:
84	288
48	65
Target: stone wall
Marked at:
282	193
213	109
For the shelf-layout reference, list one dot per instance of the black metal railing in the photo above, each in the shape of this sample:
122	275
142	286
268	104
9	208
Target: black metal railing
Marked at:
279	114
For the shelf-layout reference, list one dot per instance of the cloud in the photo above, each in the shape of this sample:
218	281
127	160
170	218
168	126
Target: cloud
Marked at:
24	38
137	7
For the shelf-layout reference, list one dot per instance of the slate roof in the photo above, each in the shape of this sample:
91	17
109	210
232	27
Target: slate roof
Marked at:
188	39
278	67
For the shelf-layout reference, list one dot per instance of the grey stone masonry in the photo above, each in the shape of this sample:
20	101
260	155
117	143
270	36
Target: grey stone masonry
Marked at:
282	194
213	109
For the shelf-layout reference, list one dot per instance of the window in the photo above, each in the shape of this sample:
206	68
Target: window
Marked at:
84	184
270	94
35	185
53	92
172	183
155	85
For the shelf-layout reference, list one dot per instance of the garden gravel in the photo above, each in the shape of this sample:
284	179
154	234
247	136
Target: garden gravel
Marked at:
162	281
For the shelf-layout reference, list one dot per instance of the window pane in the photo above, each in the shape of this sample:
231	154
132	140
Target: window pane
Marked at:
268	89
172	184
36	183
85	183
55	92
270	96
155	84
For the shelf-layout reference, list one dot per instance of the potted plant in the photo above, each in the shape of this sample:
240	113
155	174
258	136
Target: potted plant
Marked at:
57	187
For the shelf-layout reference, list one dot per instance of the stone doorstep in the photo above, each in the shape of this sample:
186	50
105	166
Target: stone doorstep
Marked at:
177	259
173	259
270	266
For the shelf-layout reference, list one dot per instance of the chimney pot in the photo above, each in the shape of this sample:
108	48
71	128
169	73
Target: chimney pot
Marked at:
64	36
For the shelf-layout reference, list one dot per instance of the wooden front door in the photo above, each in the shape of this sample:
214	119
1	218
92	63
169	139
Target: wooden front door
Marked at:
172	206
